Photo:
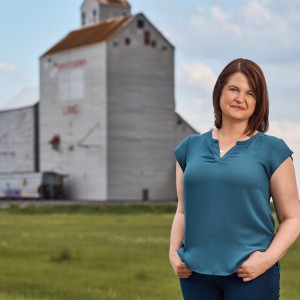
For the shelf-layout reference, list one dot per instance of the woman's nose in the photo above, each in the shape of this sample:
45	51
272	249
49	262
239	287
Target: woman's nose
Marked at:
239	98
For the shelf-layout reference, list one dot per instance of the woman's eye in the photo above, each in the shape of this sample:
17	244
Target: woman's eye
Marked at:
232	89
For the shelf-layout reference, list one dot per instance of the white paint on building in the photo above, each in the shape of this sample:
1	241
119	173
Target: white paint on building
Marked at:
18	140
95	11
77	114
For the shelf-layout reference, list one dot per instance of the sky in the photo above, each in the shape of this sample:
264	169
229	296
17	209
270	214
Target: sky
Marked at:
206	35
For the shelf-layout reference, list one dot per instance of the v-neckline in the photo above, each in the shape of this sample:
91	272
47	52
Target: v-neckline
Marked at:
238	143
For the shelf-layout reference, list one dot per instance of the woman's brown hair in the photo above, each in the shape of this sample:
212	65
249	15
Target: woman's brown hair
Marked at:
256	79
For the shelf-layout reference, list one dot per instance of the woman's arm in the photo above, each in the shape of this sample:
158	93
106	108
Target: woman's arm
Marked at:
286	201
177	231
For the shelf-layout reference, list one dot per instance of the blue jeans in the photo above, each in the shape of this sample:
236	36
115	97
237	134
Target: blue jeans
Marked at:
231	287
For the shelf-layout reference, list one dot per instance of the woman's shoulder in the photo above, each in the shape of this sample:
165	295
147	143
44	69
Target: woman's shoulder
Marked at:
270	139
273	143
275	150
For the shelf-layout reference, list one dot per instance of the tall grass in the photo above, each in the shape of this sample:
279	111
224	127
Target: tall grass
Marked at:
97	252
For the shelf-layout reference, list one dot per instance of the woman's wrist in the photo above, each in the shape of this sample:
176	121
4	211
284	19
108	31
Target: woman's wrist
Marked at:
271	259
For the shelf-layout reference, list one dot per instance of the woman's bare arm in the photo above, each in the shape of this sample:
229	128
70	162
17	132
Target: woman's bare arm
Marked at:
177	231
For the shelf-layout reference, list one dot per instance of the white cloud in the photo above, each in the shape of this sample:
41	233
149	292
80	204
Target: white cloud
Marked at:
198	75
290	133
278	73
198	102
218	14
284	88
267	31
256	13
287	130
194	85
7	67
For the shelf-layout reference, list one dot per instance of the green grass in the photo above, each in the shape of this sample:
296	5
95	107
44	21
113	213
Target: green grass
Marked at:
97	252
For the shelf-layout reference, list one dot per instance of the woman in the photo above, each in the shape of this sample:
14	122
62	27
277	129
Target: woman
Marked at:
222	239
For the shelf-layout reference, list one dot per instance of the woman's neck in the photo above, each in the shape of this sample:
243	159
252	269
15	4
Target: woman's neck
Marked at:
233	130
229	134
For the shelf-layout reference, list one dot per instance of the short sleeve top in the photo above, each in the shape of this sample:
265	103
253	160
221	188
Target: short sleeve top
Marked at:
227	200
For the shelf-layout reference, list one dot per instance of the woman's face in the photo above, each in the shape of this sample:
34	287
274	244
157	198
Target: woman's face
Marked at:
237	100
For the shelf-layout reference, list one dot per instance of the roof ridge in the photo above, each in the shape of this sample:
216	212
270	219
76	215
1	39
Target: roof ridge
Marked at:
109	20
123	3
90	34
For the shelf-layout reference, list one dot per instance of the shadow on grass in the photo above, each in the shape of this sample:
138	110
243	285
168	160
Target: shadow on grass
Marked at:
63	255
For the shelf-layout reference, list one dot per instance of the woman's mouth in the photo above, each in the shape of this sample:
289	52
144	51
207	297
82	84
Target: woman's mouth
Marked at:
238	107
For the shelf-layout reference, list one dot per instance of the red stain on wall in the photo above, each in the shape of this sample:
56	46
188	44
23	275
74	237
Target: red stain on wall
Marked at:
70	110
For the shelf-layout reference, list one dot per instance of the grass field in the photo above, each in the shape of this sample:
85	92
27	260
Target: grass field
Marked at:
103	252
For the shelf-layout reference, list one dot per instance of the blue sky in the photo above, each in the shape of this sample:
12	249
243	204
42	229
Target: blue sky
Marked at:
207	35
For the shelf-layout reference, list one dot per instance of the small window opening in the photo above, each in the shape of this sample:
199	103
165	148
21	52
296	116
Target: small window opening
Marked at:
164	48
146	37
115	43
94	15
153	43
83	18
127	41
140	23
145	194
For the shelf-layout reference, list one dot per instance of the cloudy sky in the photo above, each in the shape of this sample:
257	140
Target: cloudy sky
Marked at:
207	35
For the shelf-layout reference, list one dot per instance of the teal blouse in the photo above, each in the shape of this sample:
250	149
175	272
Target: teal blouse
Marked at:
227	200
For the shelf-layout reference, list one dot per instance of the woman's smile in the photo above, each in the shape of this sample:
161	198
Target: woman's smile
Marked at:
237	107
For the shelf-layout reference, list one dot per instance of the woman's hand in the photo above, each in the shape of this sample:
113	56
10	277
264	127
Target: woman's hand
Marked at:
179	267
256	264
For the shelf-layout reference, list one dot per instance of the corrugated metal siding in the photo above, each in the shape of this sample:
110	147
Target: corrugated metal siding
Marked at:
80	123
141	120
17	140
